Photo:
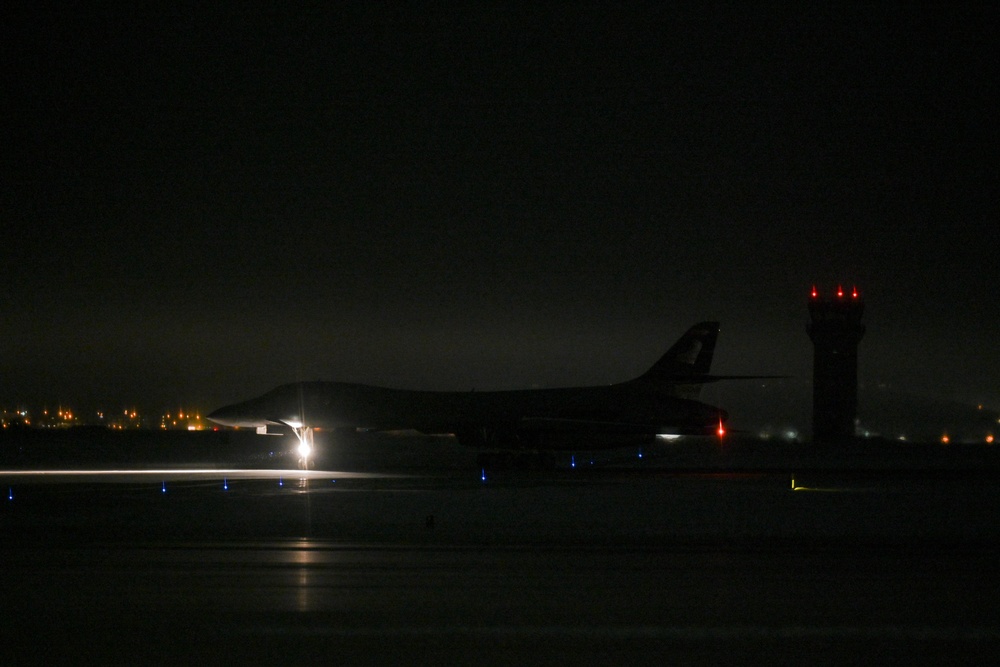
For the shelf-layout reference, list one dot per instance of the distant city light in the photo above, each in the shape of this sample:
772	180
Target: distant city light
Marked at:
126	419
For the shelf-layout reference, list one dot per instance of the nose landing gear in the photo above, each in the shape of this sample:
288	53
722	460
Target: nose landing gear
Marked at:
305	436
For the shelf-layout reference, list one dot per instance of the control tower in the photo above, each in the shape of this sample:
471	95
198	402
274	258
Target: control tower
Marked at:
835	329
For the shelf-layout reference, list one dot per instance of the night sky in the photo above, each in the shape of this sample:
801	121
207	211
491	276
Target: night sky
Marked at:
200	204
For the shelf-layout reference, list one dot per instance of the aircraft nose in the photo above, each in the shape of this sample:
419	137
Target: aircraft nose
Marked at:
227	415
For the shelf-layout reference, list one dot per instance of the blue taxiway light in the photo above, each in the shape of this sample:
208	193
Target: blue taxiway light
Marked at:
225	484
281	481
163	486
482	474
10	493
572	461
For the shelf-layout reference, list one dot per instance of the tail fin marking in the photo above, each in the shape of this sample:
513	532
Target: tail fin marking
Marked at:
688	360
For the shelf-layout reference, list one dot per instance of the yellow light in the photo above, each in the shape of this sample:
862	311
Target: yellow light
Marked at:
945	439
989	439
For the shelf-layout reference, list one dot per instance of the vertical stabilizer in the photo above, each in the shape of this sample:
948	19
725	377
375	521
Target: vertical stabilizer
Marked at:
690	358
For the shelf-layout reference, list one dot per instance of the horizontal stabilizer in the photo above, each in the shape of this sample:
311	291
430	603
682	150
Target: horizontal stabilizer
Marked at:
705	379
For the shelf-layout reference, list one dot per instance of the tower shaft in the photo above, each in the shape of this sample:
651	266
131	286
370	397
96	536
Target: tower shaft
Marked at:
835	329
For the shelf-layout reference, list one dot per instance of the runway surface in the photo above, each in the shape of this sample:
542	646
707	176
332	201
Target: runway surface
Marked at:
624	567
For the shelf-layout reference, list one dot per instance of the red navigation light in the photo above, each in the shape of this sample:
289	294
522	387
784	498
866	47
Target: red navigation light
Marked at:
721	431
854	292
840	291
814	292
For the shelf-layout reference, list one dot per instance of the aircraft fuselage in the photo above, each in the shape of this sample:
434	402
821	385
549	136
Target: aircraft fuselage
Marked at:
660	401
491	418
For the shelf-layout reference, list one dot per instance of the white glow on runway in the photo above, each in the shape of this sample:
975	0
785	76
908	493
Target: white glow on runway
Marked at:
168	471
164	475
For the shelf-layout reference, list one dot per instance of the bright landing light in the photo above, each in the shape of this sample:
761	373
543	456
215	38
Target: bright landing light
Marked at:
304	449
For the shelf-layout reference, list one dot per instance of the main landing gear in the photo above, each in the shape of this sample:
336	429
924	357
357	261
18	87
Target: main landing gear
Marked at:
517	460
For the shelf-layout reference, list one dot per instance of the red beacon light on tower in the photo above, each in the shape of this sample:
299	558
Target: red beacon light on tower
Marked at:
839	294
